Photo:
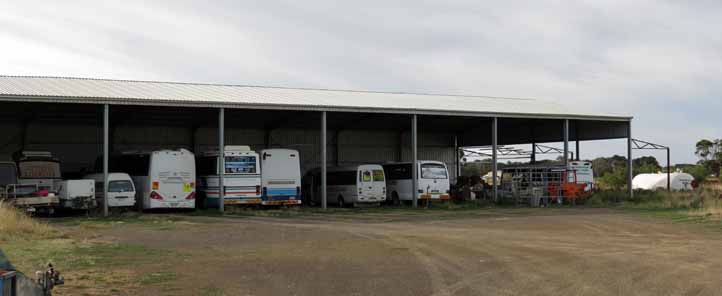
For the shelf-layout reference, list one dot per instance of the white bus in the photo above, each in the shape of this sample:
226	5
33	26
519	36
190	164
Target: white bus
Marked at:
281	177
121	191
162	179
433	180
352	185
242	178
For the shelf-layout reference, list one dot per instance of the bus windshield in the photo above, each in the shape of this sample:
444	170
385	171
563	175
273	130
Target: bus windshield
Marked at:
433	171
241	165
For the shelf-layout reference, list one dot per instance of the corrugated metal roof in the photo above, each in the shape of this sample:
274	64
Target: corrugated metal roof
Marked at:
83	90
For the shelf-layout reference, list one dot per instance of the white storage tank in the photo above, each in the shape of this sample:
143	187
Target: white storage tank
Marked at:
679	181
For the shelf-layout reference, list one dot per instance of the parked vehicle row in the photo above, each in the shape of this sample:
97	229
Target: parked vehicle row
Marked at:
179	179
373	183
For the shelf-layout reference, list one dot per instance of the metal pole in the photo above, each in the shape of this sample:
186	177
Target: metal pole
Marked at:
494	164
106	120
533	153
669	172
576	137
457	162
566	143
577	150
222	159
629	161
415	162
324	199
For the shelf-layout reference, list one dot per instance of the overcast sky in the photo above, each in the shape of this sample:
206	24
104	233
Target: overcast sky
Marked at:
660	61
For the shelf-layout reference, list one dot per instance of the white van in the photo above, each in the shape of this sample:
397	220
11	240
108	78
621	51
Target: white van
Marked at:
242	178
353	185
162	179
281	177
584	173
433	180
121	191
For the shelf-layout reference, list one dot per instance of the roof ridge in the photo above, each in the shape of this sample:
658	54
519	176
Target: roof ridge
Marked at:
276	87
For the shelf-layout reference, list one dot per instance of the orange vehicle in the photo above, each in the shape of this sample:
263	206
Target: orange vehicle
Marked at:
569	188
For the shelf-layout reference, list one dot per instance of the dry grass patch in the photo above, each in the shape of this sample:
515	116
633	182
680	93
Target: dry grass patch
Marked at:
16	224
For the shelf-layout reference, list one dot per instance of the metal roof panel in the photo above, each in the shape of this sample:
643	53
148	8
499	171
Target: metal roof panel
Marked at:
85	90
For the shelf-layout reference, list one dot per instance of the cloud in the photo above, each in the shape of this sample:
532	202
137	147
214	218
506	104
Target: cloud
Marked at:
657	60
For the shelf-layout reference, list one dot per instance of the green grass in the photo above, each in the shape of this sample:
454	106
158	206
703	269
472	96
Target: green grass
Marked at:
157	278
69	254
152	221
212	291
447	210
702	206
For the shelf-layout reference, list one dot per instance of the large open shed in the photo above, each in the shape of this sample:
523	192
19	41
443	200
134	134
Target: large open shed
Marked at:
80	120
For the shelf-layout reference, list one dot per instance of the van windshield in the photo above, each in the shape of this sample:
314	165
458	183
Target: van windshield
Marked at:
120	186
433	171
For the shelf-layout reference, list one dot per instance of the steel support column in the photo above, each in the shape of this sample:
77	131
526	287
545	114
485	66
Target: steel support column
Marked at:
630	172
415	161
576	138
457	161
533	153
324	199
577	152
566	143
222	162
106	120
669	172
494	164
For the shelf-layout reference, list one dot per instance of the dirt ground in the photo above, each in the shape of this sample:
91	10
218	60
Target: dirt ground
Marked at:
539	252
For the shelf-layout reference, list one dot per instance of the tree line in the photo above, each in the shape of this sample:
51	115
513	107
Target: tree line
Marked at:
611	172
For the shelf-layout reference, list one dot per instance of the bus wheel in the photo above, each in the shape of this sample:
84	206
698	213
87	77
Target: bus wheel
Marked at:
341	203
395	200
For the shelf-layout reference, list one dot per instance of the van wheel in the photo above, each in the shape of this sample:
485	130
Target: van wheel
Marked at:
341	203
395	200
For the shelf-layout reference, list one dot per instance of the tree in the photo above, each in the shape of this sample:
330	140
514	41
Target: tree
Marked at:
710	154
645	165
699	172
614	180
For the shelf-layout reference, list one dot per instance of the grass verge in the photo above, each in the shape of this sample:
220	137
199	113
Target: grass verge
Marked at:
699	206
90	266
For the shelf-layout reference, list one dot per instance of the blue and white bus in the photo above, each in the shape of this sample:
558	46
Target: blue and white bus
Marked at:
281	177
242	180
